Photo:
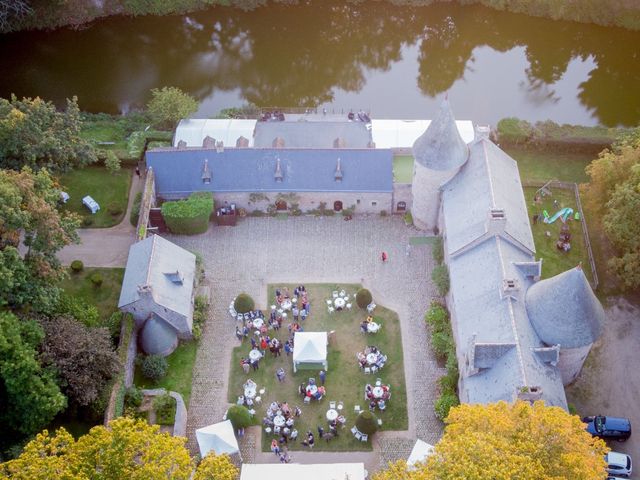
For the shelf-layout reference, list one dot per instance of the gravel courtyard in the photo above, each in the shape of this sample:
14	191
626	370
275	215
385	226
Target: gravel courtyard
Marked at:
259	251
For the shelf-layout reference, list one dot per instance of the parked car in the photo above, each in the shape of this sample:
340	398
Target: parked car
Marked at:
608	428
618	464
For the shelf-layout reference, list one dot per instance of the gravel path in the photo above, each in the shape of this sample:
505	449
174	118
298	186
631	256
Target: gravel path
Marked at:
259	251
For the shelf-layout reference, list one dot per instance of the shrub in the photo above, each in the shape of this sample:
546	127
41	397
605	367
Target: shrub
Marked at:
243	303
135	209
133	397
440	277
367	422
112	162
114	209
449	382
514	130
239	416
363	298
444	403
96	279
408	218
437	251
165	407
256	213
154	367
78	308
441	344
190	216
438	317
77	266
200	314
87	221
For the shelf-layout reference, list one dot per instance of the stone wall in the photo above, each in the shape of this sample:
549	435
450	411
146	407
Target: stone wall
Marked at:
402	193
426	195
180	424
142	309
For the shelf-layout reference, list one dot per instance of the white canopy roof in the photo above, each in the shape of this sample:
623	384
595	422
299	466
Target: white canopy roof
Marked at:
218	438
421	450
310	347
228	130
296	471
392	133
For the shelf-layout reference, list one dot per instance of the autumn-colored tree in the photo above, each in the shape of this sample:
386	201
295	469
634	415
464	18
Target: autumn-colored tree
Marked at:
216	467
28	207
505	441
170	104
127	448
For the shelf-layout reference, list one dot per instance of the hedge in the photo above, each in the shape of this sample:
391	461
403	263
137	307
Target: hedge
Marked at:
190	216
363	298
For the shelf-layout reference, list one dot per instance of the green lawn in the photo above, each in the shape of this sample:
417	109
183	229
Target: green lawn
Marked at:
105	188
535	165
105	297
179	374
554	260
345	381
403	168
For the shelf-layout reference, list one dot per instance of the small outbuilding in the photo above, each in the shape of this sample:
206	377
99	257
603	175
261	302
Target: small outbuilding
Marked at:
310	351
421	451
218	438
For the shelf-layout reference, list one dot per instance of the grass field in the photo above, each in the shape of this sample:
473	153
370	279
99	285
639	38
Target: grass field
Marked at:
535	165
104	297
345	381
105	188
403	168
179	374
556	261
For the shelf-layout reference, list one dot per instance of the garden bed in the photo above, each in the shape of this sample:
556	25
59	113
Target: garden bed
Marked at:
105	297
345	380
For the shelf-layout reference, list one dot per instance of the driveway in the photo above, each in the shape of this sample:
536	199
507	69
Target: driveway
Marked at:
609	383
259	251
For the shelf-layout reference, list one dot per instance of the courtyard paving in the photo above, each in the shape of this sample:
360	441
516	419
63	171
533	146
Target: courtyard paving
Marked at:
259	251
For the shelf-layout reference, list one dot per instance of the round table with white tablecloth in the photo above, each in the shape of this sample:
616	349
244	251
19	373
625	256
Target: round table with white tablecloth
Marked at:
312	389
258	322
250	391
255	354
279	421
373	327
339	303
332	414
286	304
378	392
372	358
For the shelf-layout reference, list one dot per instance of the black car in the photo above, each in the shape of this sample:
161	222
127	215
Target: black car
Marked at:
608	428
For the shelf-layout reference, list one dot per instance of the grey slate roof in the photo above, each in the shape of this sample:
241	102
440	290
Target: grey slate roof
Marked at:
158	337
179	172
489	180
148	263
441	147
564	310
312	134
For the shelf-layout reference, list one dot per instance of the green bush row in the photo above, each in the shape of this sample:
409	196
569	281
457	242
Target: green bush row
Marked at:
122	355
200	315
135	209
190	216
440	276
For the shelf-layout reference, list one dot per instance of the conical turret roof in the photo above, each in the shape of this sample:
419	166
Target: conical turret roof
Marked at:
564	310
441	147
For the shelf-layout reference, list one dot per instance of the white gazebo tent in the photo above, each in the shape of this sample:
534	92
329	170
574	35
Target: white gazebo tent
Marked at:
421	451
310	350
218	438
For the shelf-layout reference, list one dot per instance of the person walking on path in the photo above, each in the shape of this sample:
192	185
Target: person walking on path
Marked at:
280	374
138	171
385	257
323	376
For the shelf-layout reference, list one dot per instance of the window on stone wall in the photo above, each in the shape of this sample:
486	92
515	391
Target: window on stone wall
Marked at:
358	201
402	206
373	204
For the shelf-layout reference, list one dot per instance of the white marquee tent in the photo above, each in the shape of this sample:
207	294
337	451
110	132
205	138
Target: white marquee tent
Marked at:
296	471
310	349
218	438
421	451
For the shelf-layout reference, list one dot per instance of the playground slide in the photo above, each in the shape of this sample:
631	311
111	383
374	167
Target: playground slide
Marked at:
563	212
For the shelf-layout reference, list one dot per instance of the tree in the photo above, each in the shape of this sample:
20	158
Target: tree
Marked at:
83	357
168	105
34	134
510	441
28	207
614	192
29	395
239	416
127	448
112	162
216	467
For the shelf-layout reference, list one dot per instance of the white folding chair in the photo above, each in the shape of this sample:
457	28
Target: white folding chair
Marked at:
367	370
329	302
307	399
340	405
364	437
332	405
374	368
335	294
343	293
356	408
349	306
354	430
258	400
358	436
331	309
378	382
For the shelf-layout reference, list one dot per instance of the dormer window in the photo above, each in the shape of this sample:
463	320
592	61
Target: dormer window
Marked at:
175	277
509	284
497	214
206	173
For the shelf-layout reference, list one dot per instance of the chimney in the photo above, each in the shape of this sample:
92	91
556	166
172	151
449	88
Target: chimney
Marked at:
209	143
482	132
278	175
338	173
182	145
220	146
145	291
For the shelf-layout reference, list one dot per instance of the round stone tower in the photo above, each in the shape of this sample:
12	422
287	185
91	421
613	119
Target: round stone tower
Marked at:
564	311
439	152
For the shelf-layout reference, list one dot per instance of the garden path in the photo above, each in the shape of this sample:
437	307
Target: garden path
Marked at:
105	247
259	251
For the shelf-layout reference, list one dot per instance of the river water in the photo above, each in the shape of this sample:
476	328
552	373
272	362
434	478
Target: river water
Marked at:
397	62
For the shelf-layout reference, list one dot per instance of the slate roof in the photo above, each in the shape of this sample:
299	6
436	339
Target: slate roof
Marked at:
564	310
158	337
441	147
312	134
489	180
179	172
149	262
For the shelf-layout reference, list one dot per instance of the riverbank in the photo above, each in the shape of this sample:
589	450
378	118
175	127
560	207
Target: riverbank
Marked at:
76	13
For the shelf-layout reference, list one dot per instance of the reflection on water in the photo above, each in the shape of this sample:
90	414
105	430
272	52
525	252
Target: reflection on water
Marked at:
372	55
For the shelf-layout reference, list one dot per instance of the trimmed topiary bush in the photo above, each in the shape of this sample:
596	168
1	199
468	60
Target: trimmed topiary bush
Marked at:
243	303
437	252
96	279
77	266
87	221
165	407
440	277
444	403
190	216
363	298
438	317
154	367
239	416
441	343
367	422
133	397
